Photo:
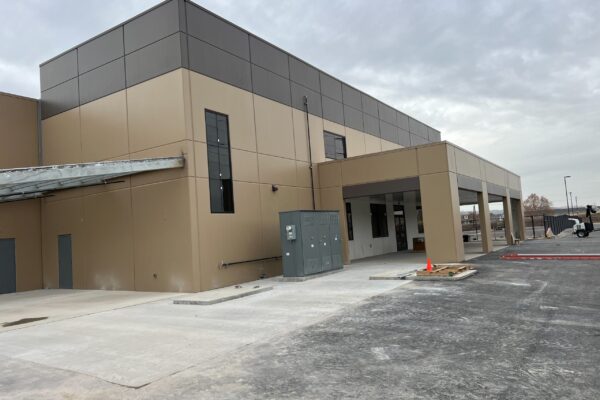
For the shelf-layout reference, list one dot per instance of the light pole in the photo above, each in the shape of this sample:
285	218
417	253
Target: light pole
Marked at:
573	210
567	193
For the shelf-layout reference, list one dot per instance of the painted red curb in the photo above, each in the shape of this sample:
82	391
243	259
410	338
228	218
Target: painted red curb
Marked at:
568	257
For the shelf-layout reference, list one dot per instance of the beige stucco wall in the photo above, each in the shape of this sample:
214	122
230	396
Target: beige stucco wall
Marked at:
21	220
160	223
138	234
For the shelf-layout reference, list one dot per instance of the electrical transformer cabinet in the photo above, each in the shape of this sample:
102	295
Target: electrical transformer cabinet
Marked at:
311	242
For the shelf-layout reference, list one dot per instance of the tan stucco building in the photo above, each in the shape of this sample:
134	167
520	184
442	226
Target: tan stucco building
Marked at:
251	122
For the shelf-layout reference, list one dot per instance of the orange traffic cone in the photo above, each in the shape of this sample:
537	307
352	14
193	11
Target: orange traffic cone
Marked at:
429	267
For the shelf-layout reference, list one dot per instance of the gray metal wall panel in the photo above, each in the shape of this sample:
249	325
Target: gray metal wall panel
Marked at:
403	138
60	98
353	118
369	105
217	32
416	140
59	70
413	125
371	125
423	131
434	136
304	74
8	266
351	96
215	63
331	87
154	60
418	128
388	132
152	26
332	110
101	50
402	121
270	85
102	81
387	114
468	183
314	99
269	57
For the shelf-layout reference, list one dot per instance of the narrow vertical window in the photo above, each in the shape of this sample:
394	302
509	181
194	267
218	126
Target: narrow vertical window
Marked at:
219	162
420	220
335	146
379	225
349	221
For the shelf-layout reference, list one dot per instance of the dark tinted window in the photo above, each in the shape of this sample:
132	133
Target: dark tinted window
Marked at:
219	162
335	146
379	220
349	221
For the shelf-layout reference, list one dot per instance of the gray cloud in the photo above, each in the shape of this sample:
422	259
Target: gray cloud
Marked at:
516	82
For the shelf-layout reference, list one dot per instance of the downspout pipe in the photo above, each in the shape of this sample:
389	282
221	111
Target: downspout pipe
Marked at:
310	163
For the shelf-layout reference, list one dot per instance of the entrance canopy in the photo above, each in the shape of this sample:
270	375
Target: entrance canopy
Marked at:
34	182
443	175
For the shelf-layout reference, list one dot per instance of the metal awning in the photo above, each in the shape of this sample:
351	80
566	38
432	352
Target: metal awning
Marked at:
33	182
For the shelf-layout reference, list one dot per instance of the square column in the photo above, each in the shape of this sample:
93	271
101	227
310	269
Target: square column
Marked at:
518	218
441	217
508	220
484	219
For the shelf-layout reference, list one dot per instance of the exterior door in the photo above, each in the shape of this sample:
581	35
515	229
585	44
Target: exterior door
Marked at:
65	262
400	222
8	266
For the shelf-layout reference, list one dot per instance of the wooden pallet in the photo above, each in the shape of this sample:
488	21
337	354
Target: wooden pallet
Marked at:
444	270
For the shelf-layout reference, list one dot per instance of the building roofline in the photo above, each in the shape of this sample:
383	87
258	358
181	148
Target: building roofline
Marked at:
443	142
240	28
18	96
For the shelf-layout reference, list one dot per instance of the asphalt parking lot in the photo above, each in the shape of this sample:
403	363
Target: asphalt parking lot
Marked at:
516	330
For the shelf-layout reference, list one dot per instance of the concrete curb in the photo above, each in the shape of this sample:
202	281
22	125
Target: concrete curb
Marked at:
226	297
457	277
390	276
308	277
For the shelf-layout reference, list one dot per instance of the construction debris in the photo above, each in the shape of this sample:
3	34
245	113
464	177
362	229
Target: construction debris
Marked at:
443	272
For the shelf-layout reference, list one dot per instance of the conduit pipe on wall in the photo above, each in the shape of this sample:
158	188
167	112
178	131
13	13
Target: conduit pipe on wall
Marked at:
310	163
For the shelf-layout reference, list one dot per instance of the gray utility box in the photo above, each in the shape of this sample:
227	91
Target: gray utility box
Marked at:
311	242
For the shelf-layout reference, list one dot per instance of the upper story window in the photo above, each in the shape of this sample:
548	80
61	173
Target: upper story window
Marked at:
335	146
219	162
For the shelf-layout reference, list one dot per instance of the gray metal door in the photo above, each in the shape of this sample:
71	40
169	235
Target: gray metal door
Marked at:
336	241
310	242
324	242
8	266
65	264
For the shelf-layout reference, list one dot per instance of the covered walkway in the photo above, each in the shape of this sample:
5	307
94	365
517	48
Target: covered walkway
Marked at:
410	198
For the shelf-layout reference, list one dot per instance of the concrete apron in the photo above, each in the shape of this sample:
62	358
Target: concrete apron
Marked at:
142	343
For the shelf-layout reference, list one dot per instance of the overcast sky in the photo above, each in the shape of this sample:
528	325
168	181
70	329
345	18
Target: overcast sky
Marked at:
517	82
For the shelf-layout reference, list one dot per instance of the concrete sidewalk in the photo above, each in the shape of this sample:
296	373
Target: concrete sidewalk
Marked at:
142	343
